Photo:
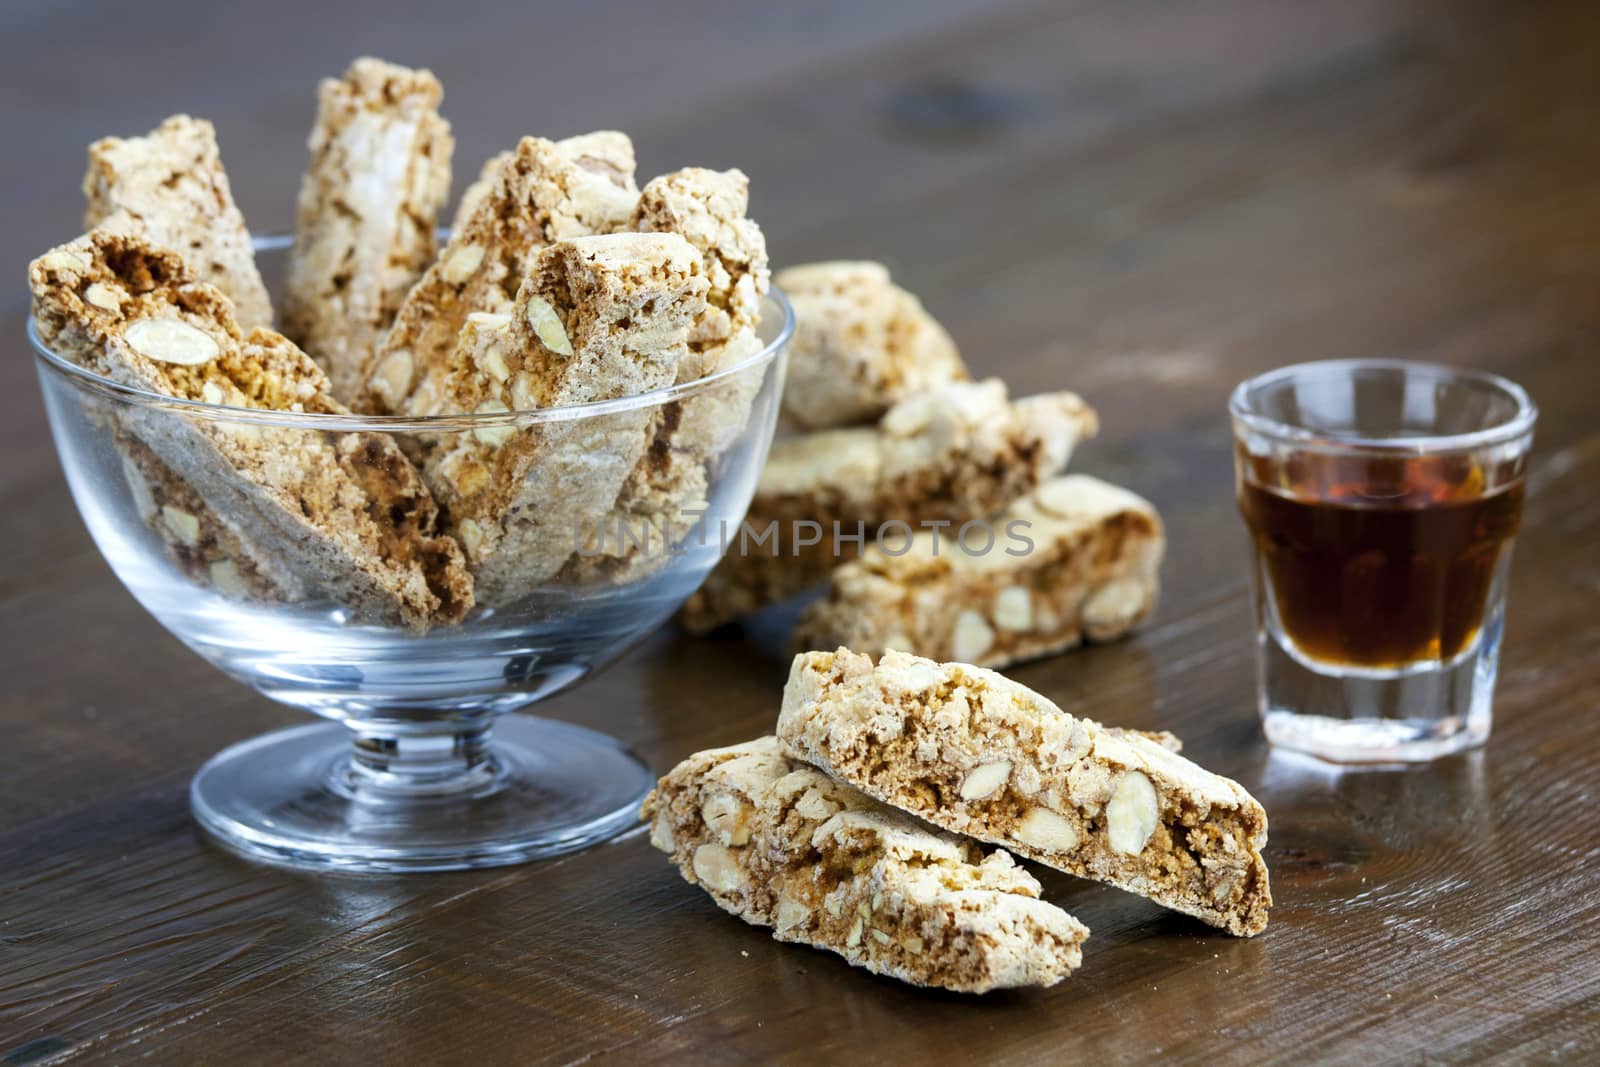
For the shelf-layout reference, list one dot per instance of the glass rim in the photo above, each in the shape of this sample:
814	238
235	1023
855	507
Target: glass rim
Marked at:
1520	424
319	420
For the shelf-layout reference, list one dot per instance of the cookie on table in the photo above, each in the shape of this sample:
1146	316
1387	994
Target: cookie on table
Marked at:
959	452
861	344
344	511
780	844
547	191
369	203
172	182
597	318
978	754
1075	560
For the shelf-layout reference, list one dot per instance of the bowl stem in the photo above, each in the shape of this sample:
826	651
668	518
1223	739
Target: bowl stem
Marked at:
396	766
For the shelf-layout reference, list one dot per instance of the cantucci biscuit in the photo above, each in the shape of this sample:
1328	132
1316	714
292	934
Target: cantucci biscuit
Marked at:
957	453
661	502
345	512
780	844
547	191
975	753
861	344
172	182
380	172
1074	560
597	318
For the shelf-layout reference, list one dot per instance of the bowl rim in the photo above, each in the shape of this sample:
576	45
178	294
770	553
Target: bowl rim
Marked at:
318	420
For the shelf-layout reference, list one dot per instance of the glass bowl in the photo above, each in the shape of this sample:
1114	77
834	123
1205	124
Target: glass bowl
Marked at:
421	767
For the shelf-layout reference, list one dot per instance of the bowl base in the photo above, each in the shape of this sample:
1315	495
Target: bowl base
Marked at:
552	788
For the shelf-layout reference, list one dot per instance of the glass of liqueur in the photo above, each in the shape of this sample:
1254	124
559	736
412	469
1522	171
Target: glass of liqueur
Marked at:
1382	499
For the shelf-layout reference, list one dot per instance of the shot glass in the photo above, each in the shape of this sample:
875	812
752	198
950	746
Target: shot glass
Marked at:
1382	499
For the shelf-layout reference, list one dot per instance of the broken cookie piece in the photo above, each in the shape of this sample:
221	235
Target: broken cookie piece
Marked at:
978	754
780	844
709	210
861	344
660	503
598	318
547	191
1074	560
172	182
345	512
953	454
379	174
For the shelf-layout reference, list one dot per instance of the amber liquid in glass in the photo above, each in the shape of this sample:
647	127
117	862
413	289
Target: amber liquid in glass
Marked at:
1378	562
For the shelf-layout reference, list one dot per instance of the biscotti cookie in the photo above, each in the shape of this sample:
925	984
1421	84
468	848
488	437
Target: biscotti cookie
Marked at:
173	183
977	754
780	844
346	511
709	209
1075	559
379	174
664	496
547	191
598	318
949	455
861	343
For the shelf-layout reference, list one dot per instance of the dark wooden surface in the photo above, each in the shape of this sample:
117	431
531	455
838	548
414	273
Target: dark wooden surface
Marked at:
1145	201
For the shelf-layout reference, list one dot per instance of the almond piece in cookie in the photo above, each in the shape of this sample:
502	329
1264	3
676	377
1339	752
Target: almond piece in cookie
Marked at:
379	174
861	344
975	753
598	318
952	454
173	183
1074	560
344	512
547	191
780	844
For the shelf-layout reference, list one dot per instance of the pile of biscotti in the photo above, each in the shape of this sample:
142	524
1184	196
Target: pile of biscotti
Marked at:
932	506
562	282
857	828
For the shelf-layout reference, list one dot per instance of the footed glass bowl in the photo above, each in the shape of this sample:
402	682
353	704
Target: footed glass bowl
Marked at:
421	767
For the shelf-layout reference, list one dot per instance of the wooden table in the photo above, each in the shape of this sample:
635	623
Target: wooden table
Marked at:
1143	201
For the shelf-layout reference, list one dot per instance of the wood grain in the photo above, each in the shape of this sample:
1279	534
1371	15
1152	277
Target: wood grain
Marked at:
1144	201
